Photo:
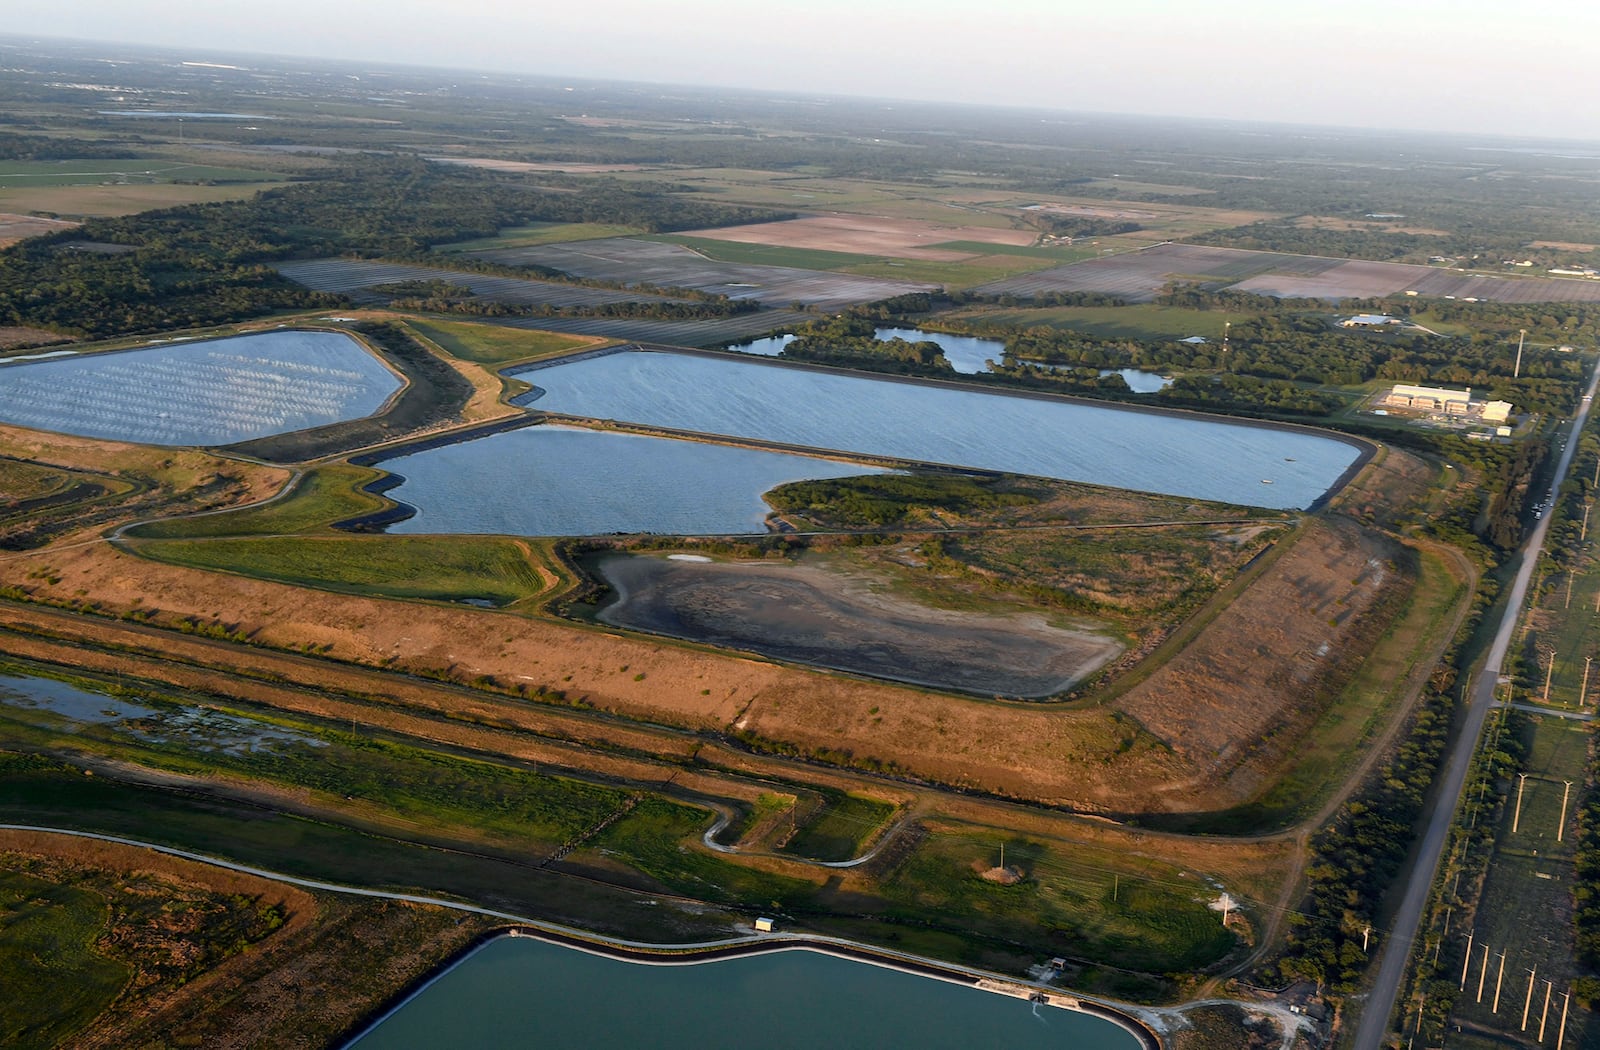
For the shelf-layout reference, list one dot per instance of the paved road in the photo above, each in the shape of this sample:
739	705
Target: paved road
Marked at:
1403	933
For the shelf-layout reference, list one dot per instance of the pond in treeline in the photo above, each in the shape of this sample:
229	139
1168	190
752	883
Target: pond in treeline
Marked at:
1174	453
566	481
519	991
966	354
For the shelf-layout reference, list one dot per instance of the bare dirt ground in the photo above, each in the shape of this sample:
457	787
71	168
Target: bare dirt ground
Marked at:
810	615
869	235
1248	686
14	227
11	337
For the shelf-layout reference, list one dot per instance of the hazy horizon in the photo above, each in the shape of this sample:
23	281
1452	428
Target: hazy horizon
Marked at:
1467	67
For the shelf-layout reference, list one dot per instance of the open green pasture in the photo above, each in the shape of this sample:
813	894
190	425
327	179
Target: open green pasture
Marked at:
1089	904
451	568
768	254
1063	254
56	980
840	828
488	344
145	169
322	496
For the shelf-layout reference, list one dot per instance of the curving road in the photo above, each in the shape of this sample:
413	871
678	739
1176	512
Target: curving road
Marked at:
1419	880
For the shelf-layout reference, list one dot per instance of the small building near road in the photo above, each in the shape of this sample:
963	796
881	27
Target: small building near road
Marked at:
766	925
1369	321
1429	399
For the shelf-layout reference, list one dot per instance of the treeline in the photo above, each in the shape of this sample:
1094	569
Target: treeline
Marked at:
1271	396
1586	890
850	339
1057	225
14	146
878	501
204	264
1304	348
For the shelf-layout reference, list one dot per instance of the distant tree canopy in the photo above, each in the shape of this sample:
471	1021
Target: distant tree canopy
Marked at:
850	339
48	147
204	263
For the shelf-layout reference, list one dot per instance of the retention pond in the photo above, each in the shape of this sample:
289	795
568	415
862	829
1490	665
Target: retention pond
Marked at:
214	392
1178	454
518	991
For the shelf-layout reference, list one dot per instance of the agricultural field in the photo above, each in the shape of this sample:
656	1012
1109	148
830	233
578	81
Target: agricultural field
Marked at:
1139	276
632	261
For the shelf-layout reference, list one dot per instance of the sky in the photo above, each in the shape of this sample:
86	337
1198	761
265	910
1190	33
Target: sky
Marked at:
1491	66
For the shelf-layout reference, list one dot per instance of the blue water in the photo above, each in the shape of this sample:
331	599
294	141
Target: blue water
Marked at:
965	353
211	392
1178	454
565	481
521	992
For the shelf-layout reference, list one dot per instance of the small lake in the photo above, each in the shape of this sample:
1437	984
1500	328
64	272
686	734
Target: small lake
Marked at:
567	481
210	392
1140	382
522	992
1174	453
966	354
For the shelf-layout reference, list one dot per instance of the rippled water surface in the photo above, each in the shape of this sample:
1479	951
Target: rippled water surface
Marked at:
564	481
1178	454
211	392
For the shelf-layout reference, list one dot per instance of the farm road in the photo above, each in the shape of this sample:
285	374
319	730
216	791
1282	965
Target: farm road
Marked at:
1419	879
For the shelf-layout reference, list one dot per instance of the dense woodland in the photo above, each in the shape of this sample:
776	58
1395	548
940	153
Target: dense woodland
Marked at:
206	263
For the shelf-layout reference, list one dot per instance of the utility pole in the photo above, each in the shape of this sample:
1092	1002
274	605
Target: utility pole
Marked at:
1566	999
1584	535
1498	977
1466	962
1366	932
1570	577
1528	1002
1549	672
1561	828
1483	971
1543	1014
1516	818
1516	373
1583	693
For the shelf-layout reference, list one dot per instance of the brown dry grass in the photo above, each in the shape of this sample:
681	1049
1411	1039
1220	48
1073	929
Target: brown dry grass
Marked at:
14	228
868	235
17	337
107	201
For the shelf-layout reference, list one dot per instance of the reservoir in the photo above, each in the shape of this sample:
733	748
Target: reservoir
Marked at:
212	392
1176	454
522	992
567	481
